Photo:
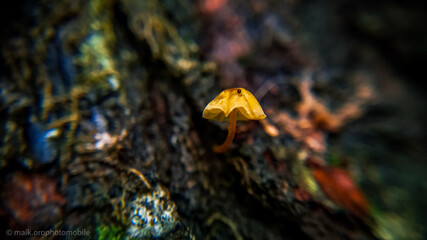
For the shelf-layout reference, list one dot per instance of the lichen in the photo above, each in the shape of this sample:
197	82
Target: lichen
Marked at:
153	214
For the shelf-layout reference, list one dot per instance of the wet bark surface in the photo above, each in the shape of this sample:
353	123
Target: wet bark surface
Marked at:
101	111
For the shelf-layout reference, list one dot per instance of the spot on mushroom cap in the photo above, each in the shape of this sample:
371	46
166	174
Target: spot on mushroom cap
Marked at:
241	99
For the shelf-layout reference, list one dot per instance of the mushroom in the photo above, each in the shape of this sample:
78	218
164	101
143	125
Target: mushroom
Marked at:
233	104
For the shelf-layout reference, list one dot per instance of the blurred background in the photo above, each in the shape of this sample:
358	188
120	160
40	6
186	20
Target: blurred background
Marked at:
102	135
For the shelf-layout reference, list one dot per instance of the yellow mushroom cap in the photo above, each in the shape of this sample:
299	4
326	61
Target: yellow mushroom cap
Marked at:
241	99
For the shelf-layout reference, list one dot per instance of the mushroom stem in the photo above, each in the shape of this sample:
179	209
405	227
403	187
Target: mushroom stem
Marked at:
231	130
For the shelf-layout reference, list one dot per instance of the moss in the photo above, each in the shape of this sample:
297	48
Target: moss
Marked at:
334	160
148	21
303	178
113	231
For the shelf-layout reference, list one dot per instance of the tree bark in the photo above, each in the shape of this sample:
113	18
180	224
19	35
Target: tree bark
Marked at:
102	101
